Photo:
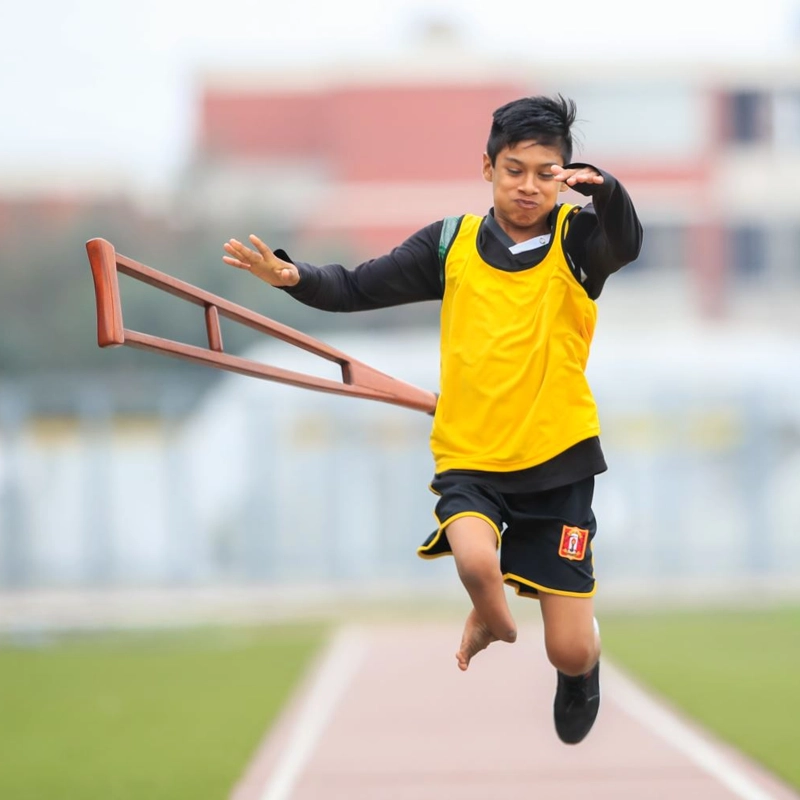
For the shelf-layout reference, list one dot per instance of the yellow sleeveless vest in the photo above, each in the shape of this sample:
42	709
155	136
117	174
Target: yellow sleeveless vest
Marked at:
514	348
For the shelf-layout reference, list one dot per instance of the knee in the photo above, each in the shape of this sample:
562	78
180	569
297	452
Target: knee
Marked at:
572	656
478	572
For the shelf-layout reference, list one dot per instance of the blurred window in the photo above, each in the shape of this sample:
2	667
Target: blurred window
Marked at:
791	264
783	253
748	251
748	117
787	118
640	120
663	249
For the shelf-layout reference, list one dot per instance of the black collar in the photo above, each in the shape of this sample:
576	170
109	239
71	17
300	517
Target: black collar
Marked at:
494	226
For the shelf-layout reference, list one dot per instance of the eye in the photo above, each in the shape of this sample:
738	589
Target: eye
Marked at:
514	171
546	176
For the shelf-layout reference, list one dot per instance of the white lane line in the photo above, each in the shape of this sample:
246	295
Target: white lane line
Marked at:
679	735
344	656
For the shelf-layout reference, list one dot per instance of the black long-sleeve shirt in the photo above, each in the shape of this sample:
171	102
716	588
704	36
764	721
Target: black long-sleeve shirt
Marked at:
603	236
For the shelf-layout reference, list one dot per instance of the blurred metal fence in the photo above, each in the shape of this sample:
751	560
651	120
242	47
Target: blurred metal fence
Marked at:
272	485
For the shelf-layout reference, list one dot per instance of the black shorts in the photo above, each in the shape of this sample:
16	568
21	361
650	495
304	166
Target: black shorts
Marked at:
544	538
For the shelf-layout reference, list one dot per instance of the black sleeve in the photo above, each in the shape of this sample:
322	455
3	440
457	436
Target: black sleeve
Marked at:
606	234
408	274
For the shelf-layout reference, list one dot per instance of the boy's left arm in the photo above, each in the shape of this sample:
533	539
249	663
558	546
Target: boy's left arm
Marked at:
606	234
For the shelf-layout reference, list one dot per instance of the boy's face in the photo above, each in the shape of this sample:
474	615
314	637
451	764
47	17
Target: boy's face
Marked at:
524	189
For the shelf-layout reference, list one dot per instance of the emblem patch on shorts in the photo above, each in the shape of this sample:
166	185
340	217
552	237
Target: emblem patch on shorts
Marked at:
573	543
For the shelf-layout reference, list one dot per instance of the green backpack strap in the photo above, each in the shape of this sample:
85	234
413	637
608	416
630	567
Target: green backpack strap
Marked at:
449	230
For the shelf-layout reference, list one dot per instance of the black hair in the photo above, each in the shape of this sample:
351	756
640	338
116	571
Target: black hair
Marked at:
545	120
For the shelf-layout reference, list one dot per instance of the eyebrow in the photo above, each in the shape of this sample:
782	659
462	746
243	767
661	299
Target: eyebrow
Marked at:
521	162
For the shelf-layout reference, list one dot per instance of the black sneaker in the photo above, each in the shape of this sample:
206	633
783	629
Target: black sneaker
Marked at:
576	705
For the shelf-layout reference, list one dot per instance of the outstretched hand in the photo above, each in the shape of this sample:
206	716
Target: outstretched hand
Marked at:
576	175
261	262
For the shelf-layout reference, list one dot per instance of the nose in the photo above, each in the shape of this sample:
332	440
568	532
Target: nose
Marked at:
529	185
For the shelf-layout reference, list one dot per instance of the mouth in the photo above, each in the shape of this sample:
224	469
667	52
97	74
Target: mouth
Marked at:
528	205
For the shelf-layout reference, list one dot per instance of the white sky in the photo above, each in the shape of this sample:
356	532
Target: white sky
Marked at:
107	85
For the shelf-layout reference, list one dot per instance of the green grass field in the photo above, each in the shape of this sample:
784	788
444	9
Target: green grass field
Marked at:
737	672
172	715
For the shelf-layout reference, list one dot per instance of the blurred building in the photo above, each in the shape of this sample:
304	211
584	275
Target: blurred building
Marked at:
357	157
694	364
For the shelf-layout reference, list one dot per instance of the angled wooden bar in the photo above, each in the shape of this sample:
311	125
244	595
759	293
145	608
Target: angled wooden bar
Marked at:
358	379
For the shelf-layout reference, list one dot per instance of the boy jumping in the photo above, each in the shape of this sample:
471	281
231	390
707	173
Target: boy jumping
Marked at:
515	436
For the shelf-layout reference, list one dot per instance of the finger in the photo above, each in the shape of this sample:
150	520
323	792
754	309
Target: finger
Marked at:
260	246
235	244
586	176
234	262
243	253
235	248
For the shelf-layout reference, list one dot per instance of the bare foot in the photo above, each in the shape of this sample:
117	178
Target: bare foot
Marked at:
476	637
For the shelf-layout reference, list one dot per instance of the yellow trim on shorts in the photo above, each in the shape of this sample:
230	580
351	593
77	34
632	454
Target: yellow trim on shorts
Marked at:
517	582
422	549
477	514
430	557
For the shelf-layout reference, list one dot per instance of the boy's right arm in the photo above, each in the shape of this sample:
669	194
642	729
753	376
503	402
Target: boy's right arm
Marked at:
408	274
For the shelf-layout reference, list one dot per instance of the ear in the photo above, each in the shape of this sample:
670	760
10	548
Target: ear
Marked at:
488	169
563	187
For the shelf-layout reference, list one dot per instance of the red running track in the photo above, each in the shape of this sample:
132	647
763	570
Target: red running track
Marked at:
387	715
